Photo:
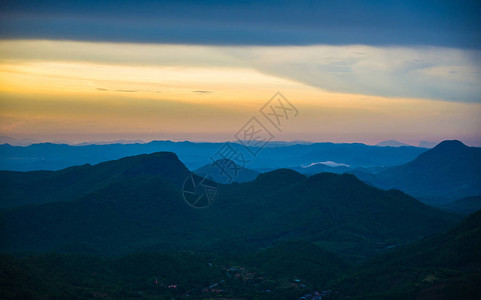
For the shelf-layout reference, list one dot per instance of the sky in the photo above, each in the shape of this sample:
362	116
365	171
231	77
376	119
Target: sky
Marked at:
200	70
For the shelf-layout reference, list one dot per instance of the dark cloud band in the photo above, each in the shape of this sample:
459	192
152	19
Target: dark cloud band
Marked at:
437	23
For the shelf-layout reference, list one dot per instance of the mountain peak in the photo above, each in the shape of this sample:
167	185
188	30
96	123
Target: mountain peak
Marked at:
151	158
448	171
165	164
450	145
444	151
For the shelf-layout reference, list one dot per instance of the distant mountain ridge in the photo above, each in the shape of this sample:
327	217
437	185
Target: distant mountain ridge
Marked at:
392	143
319	167
17	142
427	144
48	156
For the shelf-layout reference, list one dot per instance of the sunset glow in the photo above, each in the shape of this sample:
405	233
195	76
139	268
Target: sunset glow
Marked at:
78	91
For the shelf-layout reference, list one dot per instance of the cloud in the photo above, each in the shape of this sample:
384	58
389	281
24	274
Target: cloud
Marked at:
327	163
398	72
120	90
127	91
203	92
414	72
267	22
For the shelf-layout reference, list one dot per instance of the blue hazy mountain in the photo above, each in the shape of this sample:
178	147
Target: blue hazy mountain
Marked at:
17	142
427	144
279	143
48	156
449	171
319	167
392	143
227	171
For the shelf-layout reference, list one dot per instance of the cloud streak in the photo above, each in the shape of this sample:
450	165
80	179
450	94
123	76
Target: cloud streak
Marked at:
203	92
416	72
406	72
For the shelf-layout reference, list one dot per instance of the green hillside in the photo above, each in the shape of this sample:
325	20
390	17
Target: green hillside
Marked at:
261	275
443	267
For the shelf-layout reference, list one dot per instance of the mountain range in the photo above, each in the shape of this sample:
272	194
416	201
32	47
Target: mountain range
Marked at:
275	155
136	203
448	172
439	176
122	229
320	167
392	143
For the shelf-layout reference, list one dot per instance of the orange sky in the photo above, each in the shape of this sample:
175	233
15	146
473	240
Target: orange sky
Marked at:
82	91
